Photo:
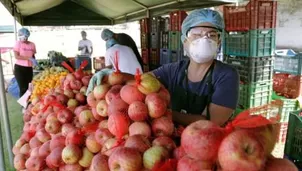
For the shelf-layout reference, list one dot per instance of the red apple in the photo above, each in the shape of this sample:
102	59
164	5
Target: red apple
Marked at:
138	142
178	153
138	111
86	159
246	151
202	131
91	100
54	159
86	117
25	149
154	155
164	94
57	141
74	137
76	85
53	126
166	142
96	115
113	93
66	128
69	93
65	116
34	142
188	163
102	108
102	135
117	106
156	105
61	98
42	135
125	159
85	80
141	128
81	98
49	98
34	164
100	91
92	145
109	146
275	164
99	163
70	77
83	90
72	103
34	152
79	109
51	116
19	161
130	94
103	124
118	124
162	126
71	154
115	78
44	150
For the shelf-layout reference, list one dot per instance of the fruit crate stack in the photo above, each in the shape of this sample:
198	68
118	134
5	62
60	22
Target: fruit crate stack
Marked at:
248	45
151	30
171	49
293	145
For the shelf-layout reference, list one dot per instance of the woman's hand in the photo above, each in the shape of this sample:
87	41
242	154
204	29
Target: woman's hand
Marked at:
97	79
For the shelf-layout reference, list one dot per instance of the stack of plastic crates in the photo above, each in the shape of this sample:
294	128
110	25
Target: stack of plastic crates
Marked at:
248	45
170	42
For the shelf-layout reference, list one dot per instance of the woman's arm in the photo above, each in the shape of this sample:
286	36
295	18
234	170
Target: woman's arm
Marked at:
18	56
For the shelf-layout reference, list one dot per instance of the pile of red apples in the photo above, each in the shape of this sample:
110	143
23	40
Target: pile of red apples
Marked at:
131	129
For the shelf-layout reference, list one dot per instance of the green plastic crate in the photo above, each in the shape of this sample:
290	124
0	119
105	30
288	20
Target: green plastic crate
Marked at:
253	43
174	40
255	94
286	106
289	64
293	145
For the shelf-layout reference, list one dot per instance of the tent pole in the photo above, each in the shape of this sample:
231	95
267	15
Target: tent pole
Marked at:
15	29
2	163
5	118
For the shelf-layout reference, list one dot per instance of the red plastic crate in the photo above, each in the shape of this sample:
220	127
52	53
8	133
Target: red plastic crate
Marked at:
144	25
176	19
145	56
282	132
287	85
257	14
154	56
144	40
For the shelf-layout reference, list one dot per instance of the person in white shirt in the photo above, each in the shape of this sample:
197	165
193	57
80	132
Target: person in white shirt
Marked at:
127	61
85	45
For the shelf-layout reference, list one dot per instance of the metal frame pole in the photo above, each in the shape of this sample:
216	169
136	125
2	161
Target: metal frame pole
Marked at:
5	118
2	162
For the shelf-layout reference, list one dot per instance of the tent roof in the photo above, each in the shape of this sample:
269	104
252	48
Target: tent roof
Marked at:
96	12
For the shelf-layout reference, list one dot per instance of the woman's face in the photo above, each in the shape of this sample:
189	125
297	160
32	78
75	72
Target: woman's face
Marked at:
23	38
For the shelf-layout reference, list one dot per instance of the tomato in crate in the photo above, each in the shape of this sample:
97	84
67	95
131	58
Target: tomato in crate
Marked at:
287	85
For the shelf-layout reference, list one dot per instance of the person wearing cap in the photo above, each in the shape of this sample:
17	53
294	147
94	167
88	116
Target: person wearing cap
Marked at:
123	39
24	51
201	87
85	45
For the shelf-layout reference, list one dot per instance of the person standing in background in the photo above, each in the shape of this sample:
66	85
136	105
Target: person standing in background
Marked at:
85	45
24	51
123	39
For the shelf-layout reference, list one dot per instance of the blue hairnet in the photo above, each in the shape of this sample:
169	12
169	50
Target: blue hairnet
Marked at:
24	32
107	34
199	16
110	43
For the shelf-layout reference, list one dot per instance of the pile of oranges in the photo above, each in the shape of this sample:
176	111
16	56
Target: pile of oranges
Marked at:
47	80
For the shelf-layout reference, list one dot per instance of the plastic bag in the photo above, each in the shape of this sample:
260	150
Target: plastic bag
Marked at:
13	88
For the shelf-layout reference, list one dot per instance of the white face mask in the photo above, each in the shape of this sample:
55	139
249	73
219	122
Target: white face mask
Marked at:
202	50
22	38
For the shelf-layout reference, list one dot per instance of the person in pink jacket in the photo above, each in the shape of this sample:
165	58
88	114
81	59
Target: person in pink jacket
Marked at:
24	51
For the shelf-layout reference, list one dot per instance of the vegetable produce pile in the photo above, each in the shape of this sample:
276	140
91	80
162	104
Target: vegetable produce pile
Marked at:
128	126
